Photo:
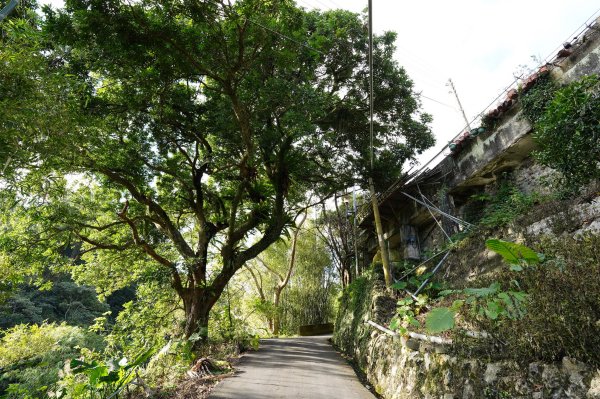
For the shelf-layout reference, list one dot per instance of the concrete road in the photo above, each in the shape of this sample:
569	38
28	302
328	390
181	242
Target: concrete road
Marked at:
306	368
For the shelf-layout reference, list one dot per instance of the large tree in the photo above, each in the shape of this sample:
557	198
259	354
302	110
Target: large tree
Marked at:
195	129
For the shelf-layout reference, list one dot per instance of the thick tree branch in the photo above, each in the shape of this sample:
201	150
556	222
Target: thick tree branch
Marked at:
99	228
148	249
101	245
292	263
161	215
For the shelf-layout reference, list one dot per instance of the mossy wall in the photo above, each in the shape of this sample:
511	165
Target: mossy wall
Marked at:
538	356
399	368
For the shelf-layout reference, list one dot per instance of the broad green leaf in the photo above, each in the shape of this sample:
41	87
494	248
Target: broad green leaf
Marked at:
394	324
113	376
493	310
439	320
456	305
399	285
490	313
422	300
506	298
405	301
513	253
95	374
483	292
414	322
142	358
78	366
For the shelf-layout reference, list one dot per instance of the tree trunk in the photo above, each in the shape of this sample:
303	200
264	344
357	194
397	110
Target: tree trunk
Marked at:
284	282
197	310
346	278
276	318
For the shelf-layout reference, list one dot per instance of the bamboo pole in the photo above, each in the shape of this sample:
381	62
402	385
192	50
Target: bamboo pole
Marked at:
8	9
385	260
422	337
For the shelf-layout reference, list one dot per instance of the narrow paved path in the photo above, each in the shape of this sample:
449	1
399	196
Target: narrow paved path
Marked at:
295	368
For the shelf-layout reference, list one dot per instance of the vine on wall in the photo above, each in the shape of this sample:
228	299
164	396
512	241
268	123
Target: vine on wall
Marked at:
567	128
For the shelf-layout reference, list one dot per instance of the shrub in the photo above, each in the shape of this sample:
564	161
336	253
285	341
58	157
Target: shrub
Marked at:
535	102
64	301
563	315
354	303
31	357
562	309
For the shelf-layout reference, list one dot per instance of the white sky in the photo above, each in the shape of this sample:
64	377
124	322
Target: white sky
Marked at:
480	44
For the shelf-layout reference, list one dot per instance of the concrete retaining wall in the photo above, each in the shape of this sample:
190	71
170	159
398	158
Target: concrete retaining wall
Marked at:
400	369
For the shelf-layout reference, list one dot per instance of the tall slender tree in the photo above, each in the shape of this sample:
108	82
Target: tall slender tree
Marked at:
336	229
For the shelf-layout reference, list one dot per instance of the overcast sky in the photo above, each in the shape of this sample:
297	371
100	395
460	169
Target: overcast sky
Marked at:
480	44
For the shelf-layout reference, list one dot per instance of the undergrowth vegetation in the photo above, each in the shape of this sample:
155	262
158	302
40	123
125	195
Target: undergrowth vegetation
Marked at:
501	206
560	311
563	307
33	358
540	306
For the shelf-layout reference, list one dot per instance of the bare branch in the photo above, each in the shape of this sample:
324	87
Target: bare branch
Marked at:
275	272
258	285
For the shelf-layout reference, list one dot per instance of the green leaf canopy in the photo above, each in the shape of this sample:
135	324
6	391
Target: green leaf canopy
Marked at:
193	130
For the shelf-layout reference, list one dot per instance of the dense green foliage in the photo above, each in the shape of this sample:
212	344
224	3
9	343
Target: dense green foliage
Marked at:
536	100
565	121
106	380
65	301
313	288
354	305
569	133
309	293
159	148
175	143
31	358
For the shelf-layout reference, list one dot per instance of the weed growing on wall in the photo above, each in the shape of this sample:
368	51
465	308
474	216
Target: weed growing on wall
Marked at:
504	206
557	303
563	310
493	303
